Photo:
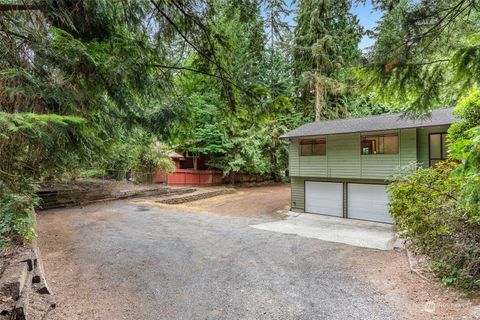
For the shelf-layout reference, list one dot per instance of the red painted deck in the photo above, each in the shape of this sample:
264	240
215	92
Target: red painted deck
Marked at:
189	177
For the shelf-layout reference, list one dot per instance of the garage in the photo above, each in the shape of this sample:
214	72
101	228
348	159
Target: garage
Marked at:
368	202
324	198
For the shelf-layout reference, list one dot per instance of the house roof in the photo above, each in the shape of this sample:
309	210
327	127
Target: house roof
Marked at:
175	155
382	122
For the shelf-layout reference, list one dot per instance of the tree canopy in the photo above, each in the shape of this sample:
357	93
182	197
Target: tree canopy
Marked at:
326	40
426	54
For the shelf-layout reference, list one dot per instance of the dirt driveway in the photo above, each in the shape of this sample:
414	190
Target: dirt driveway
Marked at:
269	200
140	260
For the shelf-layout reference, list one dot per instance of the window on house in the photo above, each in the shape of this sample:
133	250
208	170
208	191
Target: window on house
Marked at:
437	147
313	147
380	144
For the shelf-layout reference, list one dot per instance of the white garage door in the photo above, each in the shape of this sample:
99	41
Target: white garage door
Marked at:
324	198
368	202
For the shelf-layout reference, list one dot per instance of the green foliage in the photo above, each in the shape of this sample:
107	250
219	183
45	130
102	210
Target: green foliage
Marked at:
123	156
92	173
464	145
16	212
32	146
426	54
138	152
438	208
468	110
78	79
245	138
244	153
277	12
365	105
36	145
154	158
425	205
468	150
326	44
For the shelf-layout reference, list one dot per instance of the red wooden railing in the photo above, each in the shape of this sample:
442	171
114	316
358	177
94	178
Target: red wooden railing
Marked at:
191	177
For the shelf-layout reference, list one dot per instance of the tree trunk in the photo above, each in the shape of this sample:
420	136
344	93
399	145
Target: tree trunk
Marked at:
195	158
274	174
319	96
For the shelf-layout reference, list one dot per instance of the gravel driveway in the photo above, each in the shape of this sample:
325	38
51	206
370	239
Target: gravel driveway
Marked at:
131	260
134	262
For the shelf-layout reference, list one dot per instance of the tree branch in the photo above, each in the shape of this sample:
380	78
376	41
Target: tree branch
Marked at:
212	47
200	72
184	37
414	64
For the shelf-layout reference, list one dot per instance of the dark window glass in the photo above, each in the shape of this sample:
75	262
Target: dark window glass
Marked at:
306	149
381	144
319	147
313	147
390	144
437	147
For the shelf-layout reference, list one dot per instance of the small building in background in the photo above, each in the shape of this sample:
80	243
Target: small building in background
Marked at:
190	170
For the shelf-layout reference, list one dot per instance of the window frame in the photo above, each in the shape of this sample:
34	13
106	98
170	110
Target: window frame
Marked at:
396	134
442	156
324	139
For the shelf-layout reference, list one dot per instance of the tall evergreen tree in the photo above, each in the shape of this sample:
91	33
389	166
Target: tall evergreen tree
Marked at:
326	39
426	54
279	39
277	13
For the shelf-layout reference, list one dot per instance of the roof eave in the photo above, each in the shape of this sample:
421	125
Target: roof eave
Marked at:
285	137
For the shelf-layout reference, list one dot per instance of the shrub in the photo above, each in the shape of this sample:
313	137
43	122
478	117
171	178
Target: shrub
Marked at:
16	213
153	157
122	158
92	173
464	145
425	205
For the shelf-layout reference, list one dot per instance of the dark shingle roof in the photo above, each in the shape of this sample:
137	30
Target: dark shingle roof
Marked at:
373	123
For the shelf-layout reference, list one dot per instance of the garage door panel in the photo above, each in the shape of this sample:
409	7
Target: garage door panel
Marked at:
368	202
324	198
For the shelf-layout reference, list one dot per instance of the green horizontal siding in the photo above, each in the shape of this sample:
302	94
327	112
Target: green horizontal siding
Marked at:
313	165
297	187
408	146
379	166
343	159
294	158
422	142
343	153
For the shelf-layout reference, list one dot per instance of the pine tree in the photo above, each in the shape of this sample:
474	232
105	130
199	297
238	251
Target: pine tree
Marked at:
425	55
277	13
278	42
326	39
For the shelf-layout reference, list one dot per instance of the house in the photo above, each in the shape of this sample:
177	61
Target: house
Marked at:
339	167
